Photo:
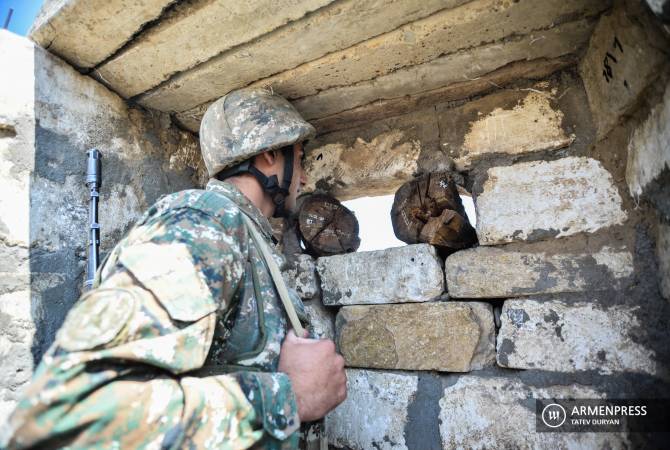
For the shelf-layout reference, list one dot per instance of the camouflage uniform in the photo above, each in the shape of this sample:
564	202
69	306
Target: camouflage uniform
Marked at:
178	345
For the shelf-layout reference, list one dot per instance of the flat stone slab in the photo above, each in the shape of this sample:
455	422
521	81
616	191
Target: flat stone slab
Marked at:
412	273
444	336
321	319
546	199
568	337
487	272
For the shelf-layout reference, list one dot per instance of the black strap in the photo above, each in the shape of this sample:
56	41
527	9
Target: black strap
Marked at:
268	184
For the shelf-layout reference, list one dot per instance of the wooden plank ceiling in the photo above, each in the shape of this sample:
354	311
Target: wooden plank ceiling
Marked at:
340	61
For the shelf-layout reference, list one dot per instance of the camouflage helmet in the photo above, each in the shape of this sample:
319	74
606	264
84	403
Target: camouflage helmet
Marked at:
247	122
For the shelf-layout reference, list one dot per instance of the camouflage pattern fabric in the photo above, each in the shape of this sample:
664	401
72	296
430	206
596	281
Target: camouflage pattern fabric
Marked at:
176	347
245	123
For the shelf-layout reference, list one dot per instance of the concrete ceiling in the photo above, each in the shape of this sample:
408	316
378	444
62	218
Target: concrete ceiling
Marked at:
339	61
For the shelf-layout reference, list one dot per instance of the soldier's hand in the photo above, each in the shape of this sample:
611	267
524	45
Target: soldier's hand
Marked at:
316	372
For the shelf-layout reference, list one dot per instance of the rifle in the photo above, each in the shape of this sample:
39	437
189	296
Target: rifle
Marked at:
93	181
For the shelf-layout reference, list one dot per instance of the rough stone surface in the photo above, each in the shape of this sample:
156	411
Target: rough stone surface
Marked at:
445	32
84	33
440	72
508	122
322	319
648	167
663	256
49	116
412	273
482	410
380	400
337	26
487	272
469	68
168	48
539	200
301	276
375	159
625	54
567	337
499	412
443	336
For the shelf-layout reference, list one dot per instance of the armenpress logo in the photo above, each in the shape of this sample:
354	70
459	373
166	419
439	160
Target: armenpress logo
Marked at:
553	415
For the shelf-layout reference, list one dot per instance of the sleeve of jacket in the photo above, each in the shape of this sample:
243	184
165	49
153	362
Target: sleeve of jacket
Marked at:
119	370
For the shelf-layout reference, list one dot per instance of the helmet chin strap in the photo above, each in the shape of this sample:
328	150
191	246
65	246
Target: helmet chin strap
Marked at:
270	185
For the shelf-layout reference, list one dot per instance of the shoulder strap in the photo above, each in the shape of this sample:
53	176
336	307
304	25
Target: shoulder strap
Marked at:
276	276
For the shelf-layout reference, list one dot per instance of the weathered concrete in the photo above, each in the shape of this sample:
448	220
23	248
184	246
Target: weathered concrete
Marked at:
50	115
440	72
469	67
481	410
374	414
443	33
84	33
625	55
487	272
375	159
193	33
508	122
540	200
335	27
412	273
322	319
648	166
533	70
663	257
568	337
443	336
300	274
499	412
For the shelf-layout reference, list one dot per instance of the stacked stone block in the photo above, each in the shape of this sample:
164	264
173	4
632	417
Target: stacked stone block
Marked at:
573	253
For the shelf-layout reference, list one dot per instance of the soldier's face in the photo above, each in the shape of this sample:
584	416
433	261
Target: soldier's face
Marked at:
299	178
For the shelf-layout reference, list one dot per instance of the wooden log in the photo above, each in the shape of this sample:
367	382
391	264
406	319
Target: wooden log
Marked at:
327	227
429	209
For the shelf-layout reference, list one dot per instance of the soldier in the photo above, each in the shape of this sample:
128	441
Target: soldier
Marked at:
183	341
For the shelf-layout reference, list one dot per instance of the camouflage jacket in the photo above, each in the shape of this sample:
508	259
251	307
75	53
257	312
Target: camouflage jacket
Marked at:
176	347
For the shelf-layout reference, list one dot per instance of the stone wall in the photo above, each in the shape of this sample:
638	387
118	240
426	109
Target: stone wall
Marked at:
50	115
569	178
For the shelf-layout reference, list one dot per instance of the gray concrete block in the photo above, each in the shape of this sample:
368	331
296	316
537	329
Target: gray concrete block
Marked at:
412	273
443	336
564	336
487	272
542	200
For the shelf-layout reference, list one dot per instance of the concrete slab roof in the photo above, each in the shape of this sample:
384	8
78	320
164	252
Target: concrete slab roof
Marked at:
336	59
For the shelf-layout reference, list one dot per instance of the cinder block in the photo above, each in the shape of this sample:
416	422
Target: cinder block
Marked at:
568	337
444	336
412	273
489	272
546	199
